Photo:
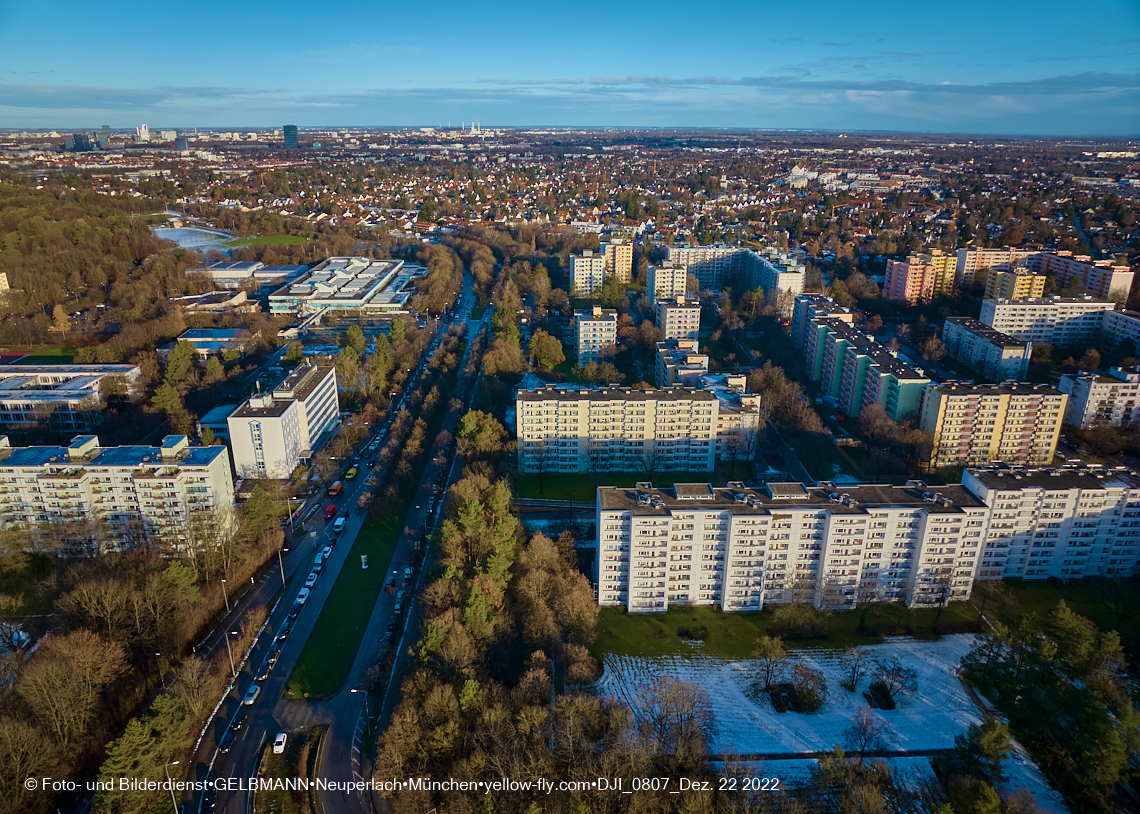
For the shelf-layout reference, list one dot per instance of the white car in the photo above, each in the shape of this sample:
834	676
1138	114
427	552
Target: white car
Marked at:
251	696
279	743
311	580
303	596
326	551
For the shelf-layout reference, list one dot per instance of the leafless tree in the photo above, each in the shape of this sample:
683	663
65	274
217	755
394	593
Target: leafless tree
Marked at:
855	661
896	679
597	458
650	461
866	733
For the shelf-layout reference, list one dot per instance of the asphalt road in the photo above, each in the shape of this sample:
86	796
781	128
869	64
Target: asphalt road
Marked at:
344	713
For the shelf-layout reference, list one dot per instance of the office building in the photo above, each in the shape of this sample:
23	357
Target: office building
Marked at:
973	424
740	548
291	142
211	341
595	333
665	281
174	497
679	362
142	134
105	137
994	355
1016	284
1066	523
619	259
273	432
678	319
167	135
587	273
920	277
182	144
1068	322
64	398
809	307
1101	401
349	284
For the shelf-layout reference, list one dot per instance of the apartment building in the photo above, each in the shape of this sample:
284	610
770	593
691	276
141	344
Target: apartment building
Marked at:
1066	523
680	362
619	259
920	277
809	307
973	424
1095	400
616	428
273	432
666	281
64	398
781	278
595	333
739	548
718	266
1015	284
1069	322
678	318
587	273
1101	279
992	354
1120	327
102	499
848	360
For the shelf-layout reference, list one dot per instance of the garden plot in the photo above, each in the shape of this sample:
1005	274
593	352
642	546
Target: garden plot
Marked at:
744	726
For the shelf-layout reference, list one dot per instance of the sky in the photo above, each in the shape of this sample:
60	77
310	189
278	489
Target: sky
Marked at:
972	66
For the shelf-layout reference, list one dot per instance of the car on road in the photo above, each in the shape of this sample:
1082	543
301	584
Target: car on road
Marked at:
311	580
408	572
295	611
251	696
303	596
279	743
227	741
338	526
330	512
326	551
238	722
391	581
350	474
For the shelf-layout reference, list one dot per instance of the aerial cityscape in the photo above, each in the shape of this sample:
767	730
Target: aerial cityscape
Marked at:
396	418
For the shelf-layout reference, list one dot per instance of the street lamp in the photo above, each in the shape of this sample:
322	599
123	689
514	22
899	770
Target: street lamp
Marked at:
166	768
226	595
367	714
231	652
160	673
282	564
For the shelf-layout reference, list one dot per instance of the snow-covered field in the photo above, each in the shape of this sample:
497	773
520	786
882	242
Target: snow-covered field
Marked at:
930	720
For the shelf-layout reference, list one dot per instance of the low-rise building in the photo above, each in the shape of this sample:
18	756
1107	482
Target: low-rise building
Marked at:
271	433
992	354
974	424
1095	400
342	284
595	333
680	362
174	497
211	341
64	398
678	318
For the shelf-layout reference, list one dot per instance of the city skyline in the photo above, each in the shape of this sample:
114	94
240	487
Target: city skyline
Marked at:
1015	69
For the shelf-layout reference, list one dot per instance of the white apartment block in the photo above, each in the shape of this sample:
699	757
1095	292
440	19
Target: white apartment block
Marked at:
718	266
1120	326
274	432
65	398
994	355
619	259
1068	322
678	319
974	424
595	333
560	429
1102	280
1066	523
587	273
1096	400
680	362
666	281
739	548
99	500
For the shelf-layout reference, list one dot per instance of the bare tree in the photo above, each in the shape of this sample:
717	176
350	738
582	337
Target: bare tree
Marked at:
650	461
895	679
539	458
678	720
597	458
866	733
855	661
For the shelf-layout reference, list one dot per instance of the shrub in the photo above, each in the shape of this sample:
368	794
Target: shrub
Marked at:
697	632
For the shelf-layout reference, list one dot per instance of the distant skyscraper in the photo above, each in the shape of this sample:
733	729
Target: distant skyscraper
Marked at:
82	144
105	137
291	136
182	144
142	133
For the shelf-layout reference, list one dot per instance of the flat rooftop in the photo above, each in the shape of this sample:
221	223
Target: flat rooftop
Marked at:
1004	478
1005	388
984	331
615	394
134	457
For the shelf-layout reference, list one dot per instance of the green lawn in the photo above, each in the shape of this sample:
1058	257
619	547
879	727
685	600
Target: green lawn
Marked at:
477	311
732	634
267	240
50	355
580	487
1090	598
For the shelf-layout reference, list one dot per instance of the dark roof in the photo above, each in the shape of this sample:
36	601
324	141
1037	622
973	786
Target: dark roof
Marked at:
615	393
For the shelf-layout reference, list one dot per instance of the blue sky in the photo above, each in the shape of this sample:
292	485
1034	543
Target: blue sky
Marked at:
1000	66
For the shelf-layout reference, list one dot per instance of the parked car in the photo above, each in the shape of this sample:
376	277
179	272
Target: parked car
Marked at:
326	551
311	580
227	741
303	596
408	572
279	743
338	526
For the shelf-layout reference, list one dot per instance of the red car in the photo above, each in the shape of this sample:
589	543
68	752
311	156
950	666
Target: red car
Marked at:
330	512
